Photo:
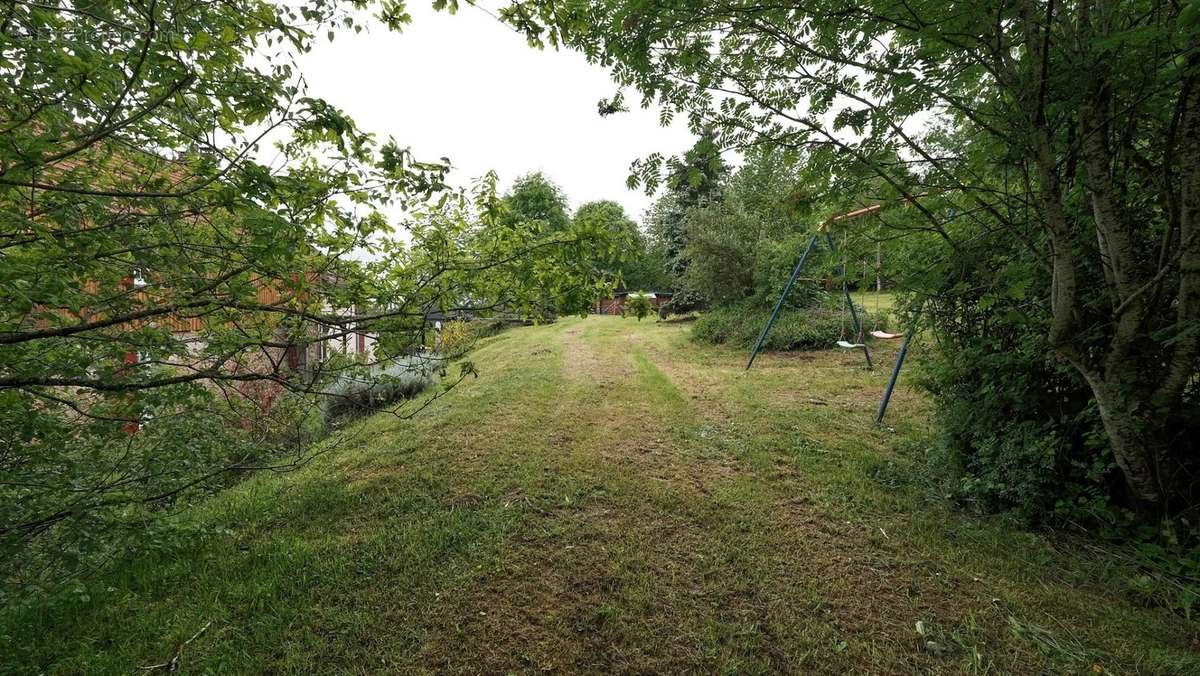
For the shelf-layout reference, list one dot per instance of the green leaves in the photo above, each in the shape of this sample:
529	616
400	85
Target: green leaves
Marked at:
638	305
181	235
1027	159
534	199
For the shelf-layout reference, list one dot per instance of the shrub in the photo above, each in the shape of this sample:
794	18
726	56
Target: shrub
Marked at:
221	435
458	336
455	338
1017	429
286	419
483	328
804	329
773	268
637	305
349	397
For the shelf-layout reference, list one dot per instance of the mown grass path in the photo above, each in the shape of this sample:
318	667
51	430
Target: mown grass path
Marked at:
609	497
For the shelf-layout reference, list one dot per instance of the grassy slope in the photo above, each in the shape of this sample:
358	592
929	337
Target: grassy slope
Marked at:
611	497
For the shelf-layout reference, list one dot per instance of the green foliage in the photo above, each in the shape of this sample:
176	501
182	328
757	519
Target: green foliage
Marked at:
637	305
697	177
455	338
812	328
170	300
1166	577
608	215
458	337
350	397
1032	155
1014	425
695	180
745	245
721	241
728	235
646	268
146	470
536	199
154	271
1019	426
774	263
637	264
773	187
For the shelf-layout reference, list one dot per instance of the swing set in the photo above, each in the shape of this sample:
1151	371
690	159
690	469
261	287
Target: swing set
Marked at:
846	304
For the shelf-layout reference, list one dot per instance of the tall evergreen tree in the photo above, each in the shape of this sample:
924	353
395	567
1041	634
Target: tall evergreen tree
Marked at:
695	179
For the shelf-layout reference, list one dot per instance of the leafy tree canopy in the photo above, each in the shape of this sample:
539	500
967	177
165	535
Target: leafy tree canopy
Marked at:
610	216
535	198
1045	147
183	232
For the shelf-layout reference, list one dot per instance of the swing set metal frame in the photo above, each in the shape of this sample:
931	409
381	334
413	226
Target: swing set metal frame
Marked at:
812	244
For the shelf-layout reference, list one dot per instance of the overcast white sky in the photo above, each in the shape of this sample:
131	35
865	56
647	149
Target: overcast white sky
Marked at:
466	87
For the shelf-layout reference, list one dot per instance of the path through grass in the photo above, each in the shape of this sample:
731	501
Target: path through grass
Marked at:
609	497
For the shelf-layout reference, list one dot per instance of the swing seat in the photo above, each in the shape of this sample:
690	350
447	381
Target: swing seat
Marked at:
884	335
848	345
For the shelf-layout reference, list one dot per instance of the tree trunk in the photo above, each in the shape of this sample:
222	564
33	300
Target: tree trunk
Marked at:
1136	438
1186	351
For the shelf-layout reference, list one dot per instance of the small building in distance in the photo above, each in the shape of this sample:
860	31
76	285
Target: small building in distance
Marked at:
616	304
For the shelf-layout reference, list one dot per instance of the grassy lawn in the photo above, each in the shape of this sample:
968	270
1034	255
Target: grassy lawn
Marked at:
610	497
883	302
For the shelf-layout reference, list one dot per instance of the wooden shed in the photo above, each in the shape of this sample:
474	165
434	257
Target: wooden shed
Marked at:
616	304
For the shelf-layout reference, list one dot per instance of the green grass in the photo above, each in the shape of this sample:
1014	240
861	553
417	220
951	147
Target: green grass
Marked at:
611	497
883	302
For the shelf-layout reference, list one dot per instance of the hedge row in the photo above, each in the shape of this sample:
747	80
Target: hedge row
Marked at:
794	329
